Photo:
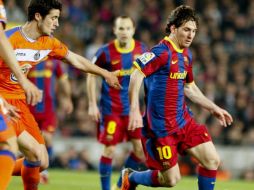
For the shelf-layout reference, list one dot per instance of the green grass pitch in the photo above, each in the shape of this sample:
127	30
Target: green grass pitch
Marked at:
73	180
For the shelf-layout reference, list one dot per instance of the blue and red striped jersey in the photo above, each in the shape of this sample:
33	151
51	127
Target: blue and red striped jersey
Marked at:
167	70
112	57
44	76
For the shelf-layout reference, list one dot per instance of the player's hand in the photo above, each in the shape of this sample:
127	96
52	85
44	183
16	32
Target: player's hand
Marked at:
135	120
94	113
223	116
33	94
67	105
8	109
112	80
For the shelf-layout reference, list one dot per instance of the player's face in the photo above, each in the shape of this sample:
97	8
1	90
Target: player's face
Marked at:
185	34
124	30
50	22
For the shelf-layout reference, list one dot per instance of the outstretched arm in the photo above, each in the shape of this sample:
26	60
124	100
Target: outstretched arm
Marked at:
33	94
85	65
135	119
195	95
93	110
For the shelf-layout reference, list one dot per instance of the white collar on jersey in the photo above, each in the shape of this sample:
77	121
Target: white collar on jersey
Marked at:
25	36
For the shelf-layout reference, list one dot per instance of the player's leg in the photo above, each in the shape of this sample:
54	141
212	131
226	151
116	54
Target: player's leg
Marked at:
36	158
198	144
151	178
105	166
48	137
109	136
209	160
161	156
8	148
135	160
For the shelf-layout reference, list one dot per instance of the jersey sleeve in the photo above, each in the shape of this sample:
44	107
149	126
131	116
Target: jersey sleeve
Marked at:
151	61
3	18
188	63
59	50
99	58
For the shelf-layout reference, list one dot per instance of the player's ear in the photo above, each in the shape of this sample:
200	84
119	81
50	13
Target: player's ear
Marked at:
37	16
172	29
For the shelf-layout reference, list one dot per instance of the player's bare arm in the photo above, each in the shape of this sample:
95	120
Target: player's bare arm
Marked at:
65	99
33	94
85	65
93	110
135	120
195	95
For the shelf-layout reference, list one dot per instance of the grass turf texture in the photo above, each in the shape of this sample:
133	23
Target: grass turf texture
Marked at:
73	180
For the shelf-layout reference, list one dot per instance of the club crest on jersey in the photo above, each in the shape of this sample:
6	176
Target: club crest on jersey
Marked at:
25	69
37	55
146	57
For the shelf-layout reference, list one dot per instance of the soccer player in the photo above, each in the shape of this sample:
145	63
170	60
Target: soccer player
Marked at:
168	125
113	118
49	76
33	42
8	140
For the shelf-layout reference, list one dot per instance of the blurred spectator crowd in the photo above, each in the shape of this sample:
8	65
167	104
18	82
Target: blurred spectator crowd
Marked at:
223	52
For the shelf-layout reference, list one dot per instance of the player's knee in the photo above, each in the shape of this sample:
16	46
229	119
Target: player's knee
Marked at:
172	181
212	163
34	153
109	151
167	180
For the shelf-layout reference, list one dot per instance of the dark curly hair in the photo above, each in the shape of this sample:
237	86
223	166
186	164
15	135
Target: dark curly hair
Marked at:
43	7
181	15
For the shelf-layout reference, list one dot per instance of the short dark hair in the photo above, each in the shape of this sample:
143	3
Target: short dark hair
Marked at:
181	15
43	7
125	17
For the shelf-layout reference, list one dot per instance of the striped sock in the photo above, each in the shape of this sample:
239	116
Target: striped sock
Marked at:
147	178
105	169
206	178
31	174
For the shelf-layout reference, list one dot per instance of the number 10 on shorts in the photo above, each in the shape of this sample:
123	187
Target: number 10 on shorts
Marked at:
164	152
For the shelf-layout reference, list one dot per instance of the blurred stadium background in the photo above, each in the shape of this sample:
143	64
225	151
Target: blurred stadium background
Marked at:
223	53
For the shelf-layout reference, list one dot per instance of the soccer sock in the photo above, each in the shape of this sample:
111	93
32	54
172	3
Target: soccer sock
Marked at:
206	178
31	174
146	178
105	169
17	168
132	162
7	160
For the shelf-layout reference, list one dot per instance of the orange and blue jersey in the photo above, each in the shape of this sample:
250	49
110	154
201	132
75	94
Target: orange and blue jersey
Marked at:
29	53
167	69
44	76
112	57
